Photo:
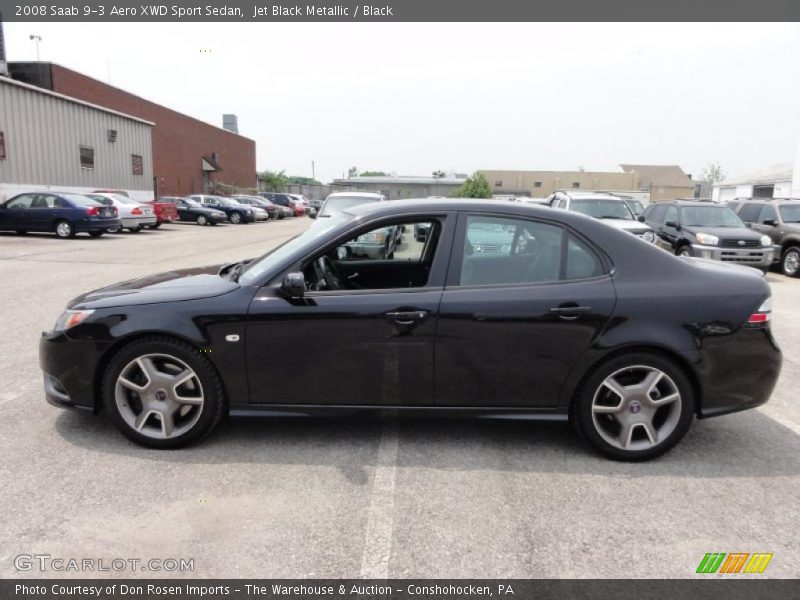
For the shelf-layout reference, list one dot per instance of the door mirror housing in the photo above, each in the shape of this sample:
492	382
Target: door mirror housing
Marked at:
673	224
640	218
770	222
294	285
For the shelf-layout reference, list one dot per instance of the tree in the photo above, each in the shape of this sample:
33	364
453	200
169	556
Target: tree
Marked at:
713	173
372	174
274	180
438	174
476	186
300	180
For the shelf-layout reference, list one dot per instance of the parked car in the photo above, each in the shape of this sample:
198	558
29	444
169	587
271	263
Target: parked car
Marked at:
133	215
583	322
237	213
610	209
421	231
165	212
780	220
707	230
191	210
285	200
339	202
258	202
635	205
62	213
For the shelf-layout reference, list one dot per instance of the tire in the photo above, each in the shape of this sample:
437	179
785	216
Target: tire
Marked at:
96	234
136	229
164	356
114	230
600	415
790	263
683	251
202	220
156	226
64	229
236	218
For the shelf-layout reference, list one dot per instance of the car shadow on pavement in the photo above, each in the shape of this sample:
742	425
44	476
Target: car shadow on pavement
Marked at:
744	445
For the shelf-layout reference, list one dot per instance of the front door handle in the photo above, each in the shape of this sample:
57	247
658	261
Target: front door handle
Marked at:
570	312
407	317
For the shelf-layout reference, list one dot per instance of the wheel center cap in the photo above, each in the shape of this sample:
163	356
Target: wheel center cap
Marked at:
161	395
635	407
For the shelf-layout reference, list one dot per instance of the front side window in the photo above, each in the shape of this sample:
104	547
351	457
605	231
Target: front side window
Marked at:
767	214
671	215
402	242
502	251
710	216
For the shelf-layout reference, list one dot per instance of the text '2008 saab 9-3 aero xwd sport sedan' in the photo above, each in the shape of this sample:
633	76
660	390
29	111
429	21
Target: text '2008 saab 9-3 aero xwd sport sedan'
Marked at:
504	310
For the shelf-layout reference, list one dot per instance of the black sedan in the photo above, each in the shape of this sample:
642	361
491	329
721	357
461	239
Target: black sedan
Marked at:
568	320
191	210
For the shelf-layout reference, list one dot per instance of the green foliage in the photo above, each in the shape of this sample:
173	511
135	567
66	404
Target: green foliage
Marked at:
274	180
476	186
372	174
300	180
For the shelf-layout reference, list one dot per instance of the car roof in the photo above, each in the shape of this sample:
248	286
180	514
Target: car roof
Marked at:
412	205
592	196
691	203
355	195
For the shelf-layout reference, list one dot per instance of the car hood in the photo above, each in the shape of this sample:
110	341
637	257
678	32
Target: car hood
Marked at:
726	233
626	224
171	286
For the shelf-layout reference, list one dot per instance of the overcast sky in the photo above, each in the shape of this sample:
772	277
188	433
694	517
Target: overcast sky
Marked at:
412	98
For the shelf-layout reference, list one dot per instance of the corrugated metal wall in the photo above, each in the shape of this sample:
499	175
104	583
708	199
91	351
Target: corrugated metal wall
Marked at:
43	134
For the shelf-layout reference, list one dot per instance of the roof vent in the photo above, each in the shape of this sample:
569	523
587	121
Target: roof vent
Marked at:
112	135
231	123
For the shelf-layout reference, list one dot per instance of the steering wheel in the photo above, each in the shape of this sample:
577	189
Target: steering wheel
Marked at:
329	273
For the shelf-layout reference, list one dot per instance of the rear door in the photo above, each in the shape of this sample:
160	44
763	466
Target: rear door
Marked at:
524	299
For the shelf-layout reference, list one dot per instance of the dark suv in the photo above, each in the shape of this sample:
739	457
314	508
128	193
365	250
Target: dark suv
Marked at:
780	220
707	230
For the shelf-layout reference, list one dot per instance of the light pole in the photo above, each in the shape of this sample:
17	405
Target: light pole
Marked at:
37	39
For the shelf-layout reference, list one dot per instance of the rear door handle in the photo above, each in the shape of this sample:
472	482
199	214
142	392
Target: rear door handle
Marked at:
570	313
407	317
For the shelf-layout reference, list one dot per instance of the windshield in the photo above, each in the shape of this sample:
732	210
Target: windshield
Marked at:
710	216
339	204
227	201
306	241
790	213
636	207
602	209
77	200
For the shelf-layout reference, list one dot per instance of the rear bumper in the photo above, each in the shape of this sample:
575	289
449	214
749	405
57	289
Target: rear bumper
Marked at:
754	257
85	225
737	372
138	221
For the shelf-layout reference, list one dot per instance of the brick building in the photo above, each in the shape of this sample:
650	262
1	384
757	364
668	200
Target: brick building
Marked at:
189	155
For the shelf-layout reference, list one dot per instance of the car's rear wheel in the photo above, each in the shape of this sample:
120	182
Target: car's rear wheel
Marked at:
162	393
635	406
136	229
790	265
202	220
154	226
236	218
64	229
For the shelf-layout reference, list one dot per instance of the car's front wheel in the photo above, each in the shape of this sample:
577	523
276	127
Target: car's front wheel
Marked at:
236	218
65	229
790	265
202	220
162	393
684	251
635	406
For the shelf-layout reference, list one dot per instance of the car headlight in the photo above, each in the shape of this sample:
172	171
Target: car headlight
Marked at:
70	318
707	240
766	240
649	236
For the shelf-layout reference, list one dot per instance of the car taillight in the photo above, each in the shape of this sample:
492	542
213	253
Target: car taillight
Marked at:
763	315
136	211
93	211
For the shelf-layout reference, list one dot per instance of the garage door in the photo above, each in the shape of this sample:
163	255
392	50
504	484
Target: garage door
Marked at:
727	193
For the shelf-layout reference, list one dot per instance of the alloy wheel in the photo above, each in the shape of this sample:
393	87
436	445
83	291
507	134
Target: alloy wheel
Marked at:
236	218
63	229
636	408
159	396
201	220
791	262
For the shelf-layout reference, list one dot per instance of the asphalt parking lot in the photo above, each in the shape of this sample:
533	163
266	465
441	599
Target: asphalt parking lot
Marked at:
371	498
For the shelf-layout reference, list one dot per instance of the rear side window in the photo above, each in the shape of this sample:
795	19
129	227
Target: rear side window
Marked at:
502	251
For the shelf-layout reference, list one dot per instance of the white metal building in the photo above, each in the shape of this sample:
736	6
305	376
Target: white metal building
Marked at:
52	141
772	182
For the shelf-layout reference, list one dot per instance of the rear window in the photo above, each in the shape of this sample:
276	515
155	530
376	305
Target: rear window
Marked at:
342	203
77	200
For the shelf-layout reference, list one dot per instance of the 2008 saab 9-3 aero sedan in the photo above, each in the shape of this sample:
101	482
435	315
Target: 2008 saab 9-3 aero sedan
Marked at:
504	310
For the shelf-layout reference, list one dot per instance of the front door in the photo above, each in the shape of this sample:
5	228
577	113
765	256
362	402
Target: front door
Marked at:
363	334
524	299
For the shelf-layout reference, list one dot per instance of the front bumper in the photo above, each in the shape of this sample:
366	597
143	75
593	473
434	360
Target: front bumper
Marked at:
69	368
753	257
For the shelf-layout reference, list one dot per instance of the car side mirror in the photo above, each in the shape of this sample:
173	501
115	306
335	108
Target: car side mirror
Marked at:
294	285
673	224
640	218
342	253
770	222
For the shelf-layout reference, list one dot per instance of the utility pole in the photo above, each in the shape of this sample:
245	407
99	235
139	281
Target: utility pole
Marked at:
37	39
313	171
